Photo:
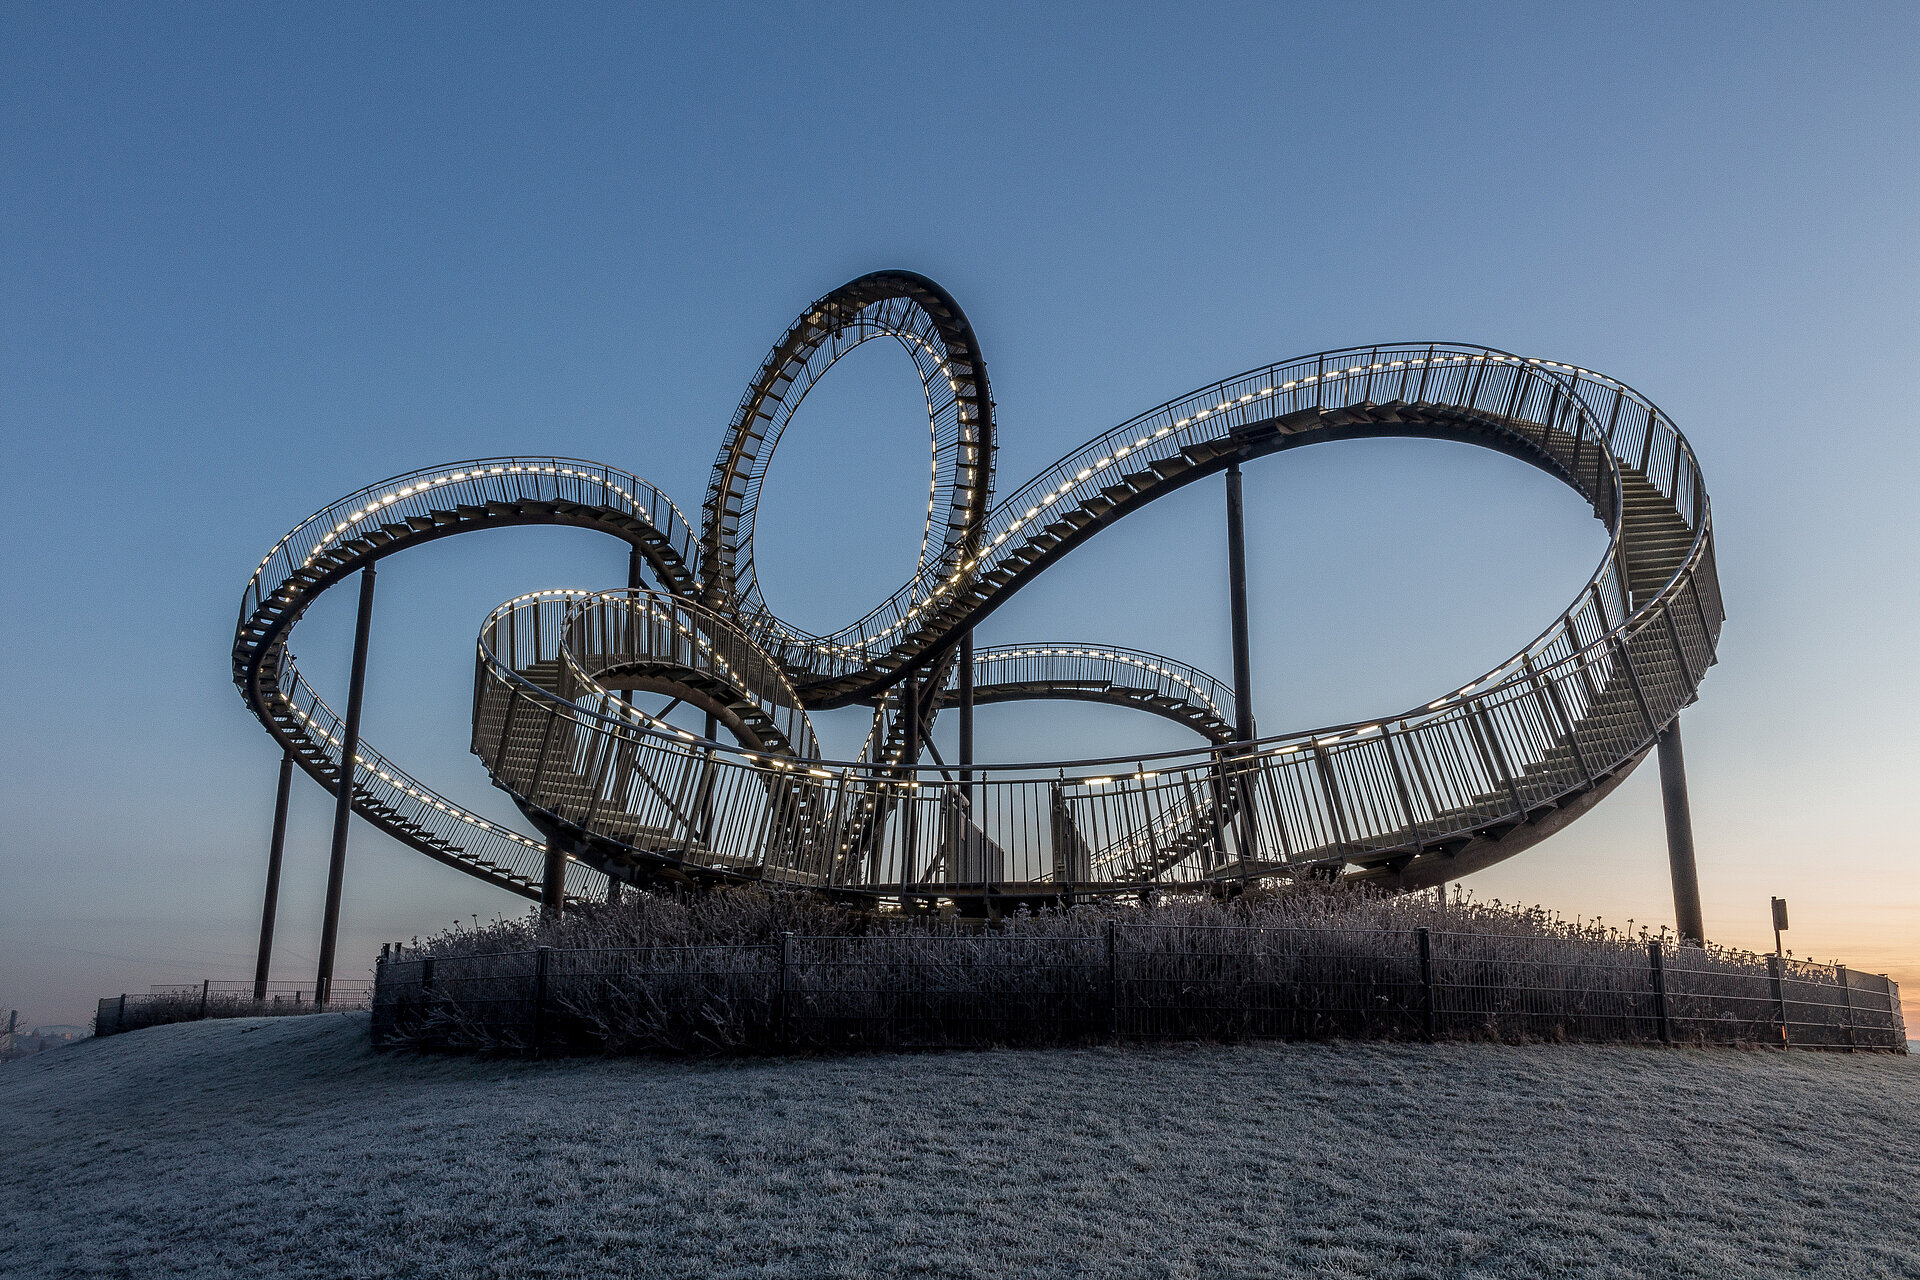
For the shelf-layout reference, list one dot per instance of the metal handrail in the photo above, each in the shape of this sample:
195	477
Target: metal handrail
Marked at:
1160	433
515	478
1565	716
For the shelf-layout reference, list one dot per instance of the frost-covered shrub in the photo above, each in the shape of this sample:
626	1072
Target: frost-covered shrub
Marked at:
742	970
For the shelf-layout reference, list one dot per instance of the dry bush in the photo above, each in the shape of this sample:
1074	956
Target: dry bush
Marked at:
745	970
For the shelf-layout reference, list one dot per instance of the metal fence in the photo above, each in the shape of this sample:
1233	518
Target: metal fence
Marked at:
191	1002
1121	982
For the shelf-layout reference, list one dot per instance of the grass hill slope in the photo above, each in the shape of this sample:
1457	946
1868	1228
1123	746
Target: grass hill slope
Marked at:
285	1147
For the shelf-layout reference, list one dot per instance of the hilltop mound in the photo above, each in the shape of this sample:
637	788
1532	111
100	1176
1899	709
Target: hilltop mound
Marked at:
286	1147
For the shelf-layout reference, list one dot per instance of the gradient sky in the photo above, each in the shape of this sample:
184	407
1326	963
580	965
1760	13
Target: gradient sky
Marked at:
252	258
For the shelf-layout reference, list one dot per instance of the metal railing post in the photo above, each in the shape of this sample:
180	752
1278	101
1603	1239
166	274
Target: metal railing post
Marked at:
1400	788
1426	983
1146	815
1657	964
206	985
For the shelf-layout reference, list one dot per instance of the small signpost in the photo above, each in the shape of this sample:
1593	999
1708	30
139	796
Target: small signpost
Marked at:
1777	968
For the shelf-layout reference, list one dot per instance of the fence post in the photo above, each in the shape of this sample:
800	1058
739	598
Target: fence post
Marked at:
1426	983
205	985
1846	1004
1657	962
120	1018
540	959
782	1031
1113	978
1776	975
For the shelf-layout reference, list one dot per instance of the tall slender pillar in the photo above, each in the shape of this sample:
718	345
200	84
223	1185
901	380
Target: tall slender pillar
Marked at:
1686	875
909	757
343	799
966	714
264	959
635	581
710	777
553	878
1246	826
1237	596
910	708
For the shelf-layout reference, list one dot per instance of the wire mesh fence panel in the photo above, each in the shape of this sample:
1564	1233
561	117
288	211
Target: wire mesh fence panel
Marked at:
1212	983
942	990
193	1002
698	999
1814	1006
396	1003
1873	1004
1830	1007
1720	998
106	1019
667	999
1080	980
1507	987
478	1001
341	996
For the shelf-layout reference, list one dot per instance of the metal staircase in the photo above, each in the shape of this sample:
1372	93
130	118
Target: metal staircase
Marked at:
1425	795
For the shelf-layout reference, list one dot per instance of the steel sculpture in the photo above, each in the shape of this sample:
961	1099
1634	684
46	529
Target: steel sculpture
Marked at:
1410	800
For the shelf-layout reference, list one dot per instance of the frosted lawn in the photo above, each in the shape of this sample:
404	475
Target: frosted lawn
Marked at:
285	1147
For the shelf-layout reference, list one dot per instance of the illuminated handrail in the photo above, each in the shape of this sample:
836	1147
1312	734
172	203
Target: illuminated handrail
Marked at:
1058	663
1555	725
416	494
1611	417
1471	757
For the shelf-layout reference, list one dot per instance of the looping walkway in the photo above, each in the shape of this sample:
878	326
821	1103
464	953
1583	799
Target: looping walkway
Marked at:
1473	776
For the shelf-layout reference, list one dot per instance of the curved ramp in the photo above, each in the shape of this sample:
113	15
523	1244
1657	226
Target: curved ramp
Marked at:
1474	775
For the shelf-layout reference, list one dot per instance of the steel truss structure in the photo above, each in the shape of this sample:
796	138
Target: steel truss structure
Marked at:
1414	799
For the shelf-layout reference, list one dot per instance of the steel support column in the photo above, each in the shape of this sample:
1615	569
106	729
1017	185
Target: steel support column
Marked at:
910	815
553	879
635	582
343	803
1686	876
712	729
1237	595
1247	826
264	959
966	714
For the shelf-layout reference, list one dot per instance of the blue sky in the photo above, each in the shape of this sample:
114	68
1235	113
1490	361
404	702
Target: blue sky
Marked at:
254	258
